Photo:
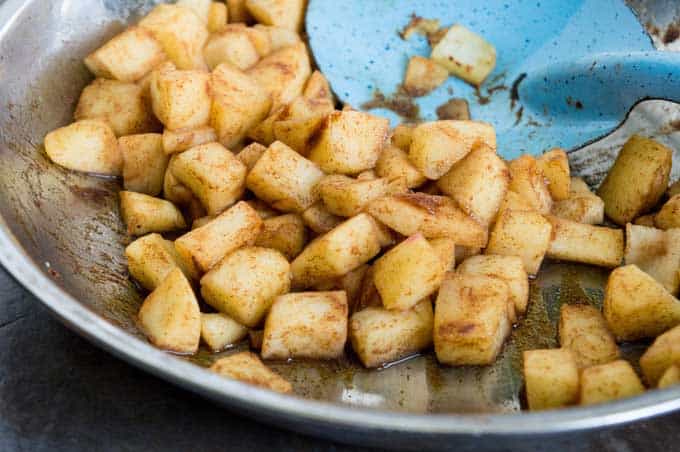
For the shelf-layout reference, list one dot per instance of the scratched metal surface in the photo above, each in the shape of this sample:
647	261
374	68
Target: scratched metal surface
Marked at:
69	223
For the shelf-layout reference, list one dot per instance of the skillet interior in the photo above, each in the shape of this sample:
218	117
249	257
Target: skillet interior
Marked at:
69	223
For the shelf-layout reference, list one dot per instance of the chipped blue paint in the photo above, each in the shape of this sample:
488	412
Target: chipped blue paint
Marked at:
587	62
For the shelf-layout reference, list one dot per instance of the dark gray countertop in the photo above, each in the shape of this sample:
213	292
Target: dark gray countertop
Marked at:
59	393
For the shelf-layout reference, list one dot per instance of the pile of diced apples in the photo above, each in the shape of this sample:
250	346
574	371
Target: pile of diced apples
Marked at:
307	228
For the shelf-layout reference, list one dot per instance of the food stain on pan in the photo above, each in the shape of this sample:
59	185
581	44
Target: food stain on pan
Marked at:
518	115
514	90
666	36
93	194
670	127
481	99
672	33
400	102
574	103
485	98
535	331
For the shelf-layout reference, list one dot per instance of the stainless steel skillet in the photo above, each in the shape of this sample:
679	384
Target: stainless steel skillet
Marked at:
60	236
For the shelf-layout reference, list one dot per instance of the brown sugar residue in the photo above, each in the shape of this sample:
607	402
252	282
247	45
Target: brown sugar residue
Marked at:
672	33
514	90
533	123
481	99
518	115
671	127
434	37
420	26
429	28
90	193
652	29
574	103
454	108
490	91
401	102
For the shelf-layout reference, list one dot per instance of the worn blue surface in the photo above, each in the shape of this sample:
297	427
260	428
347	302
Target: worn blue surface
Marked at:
586	63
